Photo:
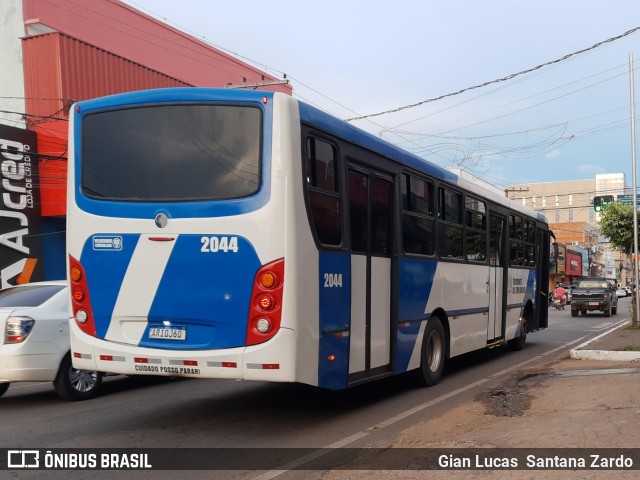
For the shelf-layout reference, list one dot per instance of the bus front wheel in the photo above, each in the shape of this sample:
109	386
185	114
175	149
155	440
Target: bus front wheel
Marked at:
433	353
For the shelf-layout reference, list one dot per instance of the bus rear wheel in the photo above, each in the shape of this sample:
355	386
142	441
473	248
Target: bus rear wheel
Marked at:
518	342
433	353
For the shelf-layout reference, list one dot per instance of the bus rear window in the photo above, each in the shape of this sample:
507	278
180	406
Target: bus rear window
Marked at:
172	153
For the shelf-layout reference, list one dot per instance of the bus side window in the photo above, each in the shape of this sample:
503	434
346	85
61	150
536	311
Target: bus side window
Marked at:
418	234
358	215
496	229
322	190
321	160
381	215
450	229
522	236
476	245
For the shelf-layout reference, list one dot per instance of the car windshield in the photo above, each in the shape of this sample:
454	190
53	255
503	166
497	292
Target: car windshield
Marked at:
27	296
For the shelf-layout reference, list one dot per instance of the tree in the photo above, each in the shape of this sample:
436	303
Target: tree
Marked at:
616	223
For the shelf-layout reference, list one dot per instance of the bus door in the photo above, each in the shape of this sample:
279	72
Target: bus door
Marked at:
370	216
541	317
497	271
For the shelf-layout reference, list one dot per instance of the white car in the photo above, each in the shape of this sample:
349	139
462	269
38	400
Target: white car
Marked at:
34	347
621	292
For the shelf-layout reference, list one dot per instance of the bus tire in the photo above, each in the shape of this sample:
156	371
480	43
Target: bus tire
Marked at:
433	353
74	384
3	388
518	343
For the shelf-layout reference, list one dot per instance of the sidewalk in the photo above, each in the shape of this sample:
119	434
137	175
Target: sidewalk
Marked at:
619	344
590	399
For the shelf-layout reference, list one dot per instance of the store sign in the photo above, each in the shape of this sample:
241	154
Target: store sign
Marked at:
574	264
20	242
562	255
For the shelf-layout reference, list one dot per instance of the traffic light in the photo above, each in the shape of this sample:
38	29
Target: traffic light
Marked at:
601	201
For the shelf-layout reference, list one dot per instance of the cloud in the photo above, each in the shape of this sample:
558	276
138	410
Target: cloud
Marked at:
553	154
590	168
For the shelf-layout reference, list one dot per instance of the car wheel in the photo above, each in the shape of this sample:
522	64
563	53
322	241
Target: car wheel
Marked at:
74	384
607	311
574	312
3	388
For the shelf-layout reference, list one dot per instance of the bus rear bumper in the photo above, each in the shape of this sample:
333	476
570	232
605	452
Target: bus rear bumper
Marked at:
272	361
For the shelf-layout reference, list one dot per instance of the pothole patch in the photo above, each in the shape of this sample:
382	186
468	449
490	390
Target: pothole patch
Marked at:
511	399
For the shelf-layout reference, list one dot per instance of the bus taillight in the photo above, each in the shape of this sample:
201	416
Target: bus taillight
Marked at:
265	311
265	302
81	305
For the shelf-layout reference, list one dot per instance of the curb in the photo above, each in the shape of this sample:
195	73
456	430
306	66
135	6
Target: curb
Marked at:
579	354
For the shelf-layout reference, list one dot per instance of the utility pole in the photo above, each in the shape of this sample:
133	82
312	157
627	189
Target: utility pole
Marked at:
507	191
636	298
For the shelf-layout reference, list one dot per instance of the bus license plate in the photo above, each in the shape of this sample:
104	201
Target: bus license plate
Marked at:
168	333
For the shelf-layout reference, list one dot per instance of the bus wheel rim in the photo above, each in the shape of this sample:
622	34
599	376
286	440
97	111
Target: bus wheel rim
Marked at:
434	351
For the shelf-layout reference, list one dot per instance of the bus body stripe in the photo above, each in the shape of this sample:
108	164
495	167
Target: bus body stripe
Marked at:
104	271
138	290
334	285
416	278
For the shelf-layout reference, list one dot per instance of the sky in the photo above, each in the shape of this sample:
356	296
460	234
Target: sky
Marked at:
569	120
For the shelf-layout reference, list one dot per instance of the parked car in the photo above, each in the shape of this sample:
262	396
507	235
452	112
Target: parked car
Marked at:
621	292
628	289
34	323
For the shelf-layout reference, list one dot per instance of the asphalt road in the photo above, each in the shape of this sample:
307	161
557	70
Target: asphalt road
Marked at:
159	413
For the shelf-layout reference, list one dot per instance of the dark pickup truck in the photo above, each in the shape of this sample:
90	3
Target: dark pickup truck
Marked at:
594	294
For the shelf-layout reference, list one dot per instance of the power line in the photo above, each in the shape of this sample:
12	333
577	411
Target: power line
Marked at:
33	154
507	134
500	80
44	117
35	98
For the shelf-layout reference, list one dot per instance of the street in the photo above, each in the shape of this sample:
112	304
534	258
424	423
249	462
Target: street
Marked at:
160	413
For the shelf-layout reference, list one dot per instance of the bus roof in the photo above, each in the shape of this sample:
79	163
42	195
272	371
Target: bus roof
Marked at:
351	133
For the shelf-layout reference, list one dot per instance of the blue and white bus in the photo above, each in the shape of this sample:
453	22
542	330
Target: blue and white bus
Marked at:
218	233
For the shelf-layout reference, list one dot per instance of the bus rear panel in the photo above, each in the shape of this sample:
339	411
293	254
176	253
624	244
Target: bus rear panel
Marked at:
175	263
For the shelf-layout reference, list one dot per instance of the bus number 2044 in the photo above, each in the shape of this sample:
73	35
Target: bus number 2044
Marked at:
332	280
219	244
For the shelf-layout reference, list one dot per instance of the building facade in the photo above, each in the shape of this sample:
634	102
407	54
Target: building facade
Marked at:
568	206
